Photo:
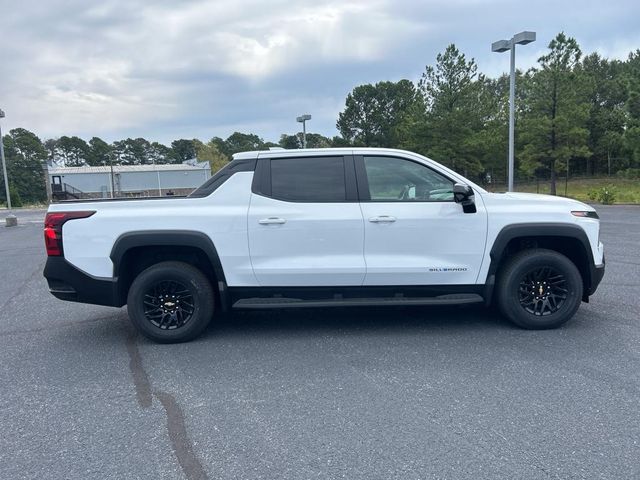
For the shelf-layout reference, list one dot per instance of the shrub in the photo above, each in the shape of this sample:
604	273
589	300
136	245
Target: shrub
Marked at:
605	195
630	173
16	200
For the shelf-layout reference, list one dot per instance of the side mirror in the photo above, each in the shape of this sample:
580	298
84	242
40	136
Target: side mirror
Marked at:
463	194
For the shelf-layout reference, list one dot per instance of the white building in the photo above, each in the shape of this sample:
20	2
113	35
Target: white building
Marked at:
127	180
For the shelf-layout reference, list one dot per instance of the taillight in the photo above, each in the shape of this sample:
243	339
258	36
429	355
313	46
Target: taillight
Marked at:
53	229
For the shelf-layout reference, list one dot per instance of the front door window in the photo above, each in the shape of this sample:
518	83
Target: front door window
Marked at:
399	180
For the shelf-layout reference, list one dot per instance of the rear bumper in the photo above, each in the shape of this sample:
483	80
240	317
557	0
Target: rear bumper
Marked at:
66	282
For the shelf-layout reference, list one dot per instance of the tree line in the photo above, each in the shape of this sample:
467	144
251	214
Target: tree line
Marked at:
575	113
28	157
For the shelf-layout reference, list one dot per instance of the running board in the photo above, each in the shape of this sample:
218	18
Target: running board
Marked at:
281	302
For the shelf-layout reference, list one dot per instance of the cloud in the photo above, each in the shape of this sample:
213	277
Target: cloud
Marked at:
169	69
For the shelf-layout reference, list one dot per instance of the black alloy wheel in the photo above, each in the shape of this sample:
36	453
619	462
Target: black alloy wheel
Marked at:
171	302
168	305
539	288
543	291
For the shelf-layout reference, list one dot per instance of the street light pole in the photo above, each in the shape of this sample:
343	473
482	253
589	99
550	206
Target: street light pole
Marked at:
500	46
4	167
11	220
158	174
512	116
304	134
303	119
113	188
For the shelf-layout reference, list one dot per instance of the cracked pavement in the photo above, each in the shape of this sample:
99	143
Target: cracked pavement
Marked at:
347	393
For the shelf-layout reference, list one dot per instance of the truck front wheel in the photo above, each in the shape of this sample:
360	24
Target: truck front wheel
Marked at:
170	302
539	289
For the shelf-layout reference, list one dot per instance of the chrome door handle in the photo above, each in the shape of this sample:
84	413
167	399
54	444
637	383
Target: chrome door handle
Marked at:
272	221
383	219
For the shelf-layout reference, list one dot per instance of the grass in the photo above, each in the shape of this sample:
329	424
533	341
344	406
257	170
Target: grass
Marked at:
626	191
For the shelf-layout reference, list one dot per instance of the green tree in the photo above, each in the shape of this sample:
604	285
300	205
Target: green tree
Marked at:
50	146
606	94
339	142
373	113
242	142
132	151
183	150
221	145
314	140
631	137
73	151
631	69
611	145
26	158
451	91
99	152
290	142
159	154
487	140
118	149
554	130
208	152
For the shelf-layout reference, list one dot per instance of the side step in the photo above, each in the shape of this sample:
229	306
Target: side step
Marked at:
281	302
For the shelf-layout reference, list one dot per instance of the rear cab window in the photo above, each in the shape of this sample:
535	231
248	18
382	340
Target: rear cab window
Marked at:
318	179
313	179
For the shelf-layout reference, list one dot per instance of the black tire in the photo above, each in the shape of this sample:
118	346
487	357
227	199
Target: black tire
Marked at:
539	289
171	302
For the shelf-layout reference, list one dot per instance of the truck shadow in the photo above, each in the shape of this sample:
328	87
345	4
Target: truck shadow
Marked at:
368	320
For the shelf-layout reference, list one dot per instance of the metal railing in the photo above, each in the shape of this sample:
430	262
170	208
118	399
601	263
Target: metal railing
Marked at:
64	191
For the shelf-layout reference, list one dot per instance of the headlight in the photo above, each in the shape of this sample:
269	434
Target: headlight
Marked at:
585	214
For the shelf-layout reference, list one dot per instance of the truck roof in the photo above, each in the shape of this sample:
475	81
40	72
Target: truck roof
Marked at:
315	151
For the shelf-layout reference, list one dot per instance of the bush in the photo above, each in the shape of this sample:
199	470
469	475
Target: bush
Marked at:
605	195
630	173
16	201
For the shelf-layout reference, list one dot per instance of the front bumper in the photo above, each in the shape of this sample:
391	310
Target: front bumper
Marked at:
596	274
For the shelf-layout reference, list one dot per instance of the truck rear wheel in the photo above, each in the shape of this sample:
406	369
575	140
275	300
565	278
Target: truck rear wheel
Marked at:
539	289
171	302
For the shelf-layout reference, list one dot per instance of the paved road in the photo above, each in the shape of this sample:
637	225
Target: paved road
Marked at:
377	393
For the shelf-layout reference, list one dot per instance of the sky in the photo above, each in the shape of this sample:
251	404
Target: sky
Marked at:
197	69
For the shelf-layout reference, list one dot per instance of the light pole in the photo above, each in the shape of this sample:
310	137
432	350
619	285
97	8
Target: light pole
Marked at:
303	120
113	187
500	46
11	220
158	174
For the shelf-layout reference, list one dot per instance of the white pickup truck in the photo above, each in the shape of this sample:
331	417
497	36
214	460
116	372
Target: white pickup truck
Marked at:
322	228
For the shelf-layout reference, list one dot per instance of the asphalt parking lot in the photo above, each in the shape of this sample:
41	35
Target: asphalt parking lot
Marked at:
407	393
